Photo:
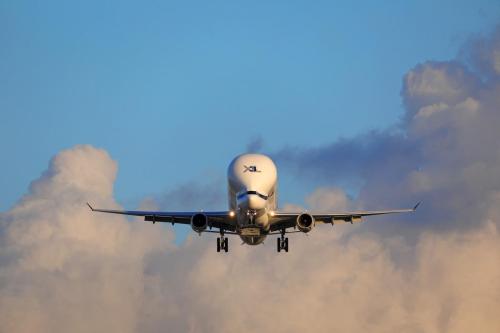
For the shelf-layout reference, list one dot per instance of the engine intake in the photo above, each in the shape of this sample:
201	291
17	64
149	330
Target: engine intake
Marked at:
199	222
305	222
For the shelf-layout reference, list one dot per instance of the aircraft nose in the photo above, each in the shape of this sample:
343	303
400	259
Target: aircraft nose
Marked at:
255	202
252	201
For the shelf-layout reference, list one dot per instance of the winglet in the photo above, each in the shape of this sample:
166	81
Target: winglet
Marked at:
92	209
416	206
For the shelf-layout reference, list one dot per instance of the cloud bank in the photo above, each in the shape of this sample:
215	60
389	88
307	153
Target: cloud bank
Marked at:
65	269
444	151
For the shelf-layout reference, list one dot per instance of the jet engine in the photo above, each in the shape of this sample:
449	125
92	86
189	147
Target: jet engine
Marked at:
305	222
199	222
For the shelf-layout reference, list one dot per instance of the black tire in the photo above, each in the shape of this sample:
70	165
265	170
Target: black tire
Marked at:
278	242
226	244
218	244
286	244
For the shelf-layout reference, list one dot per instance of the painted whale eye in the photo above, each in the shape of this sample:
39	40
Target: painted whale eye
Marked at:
244	194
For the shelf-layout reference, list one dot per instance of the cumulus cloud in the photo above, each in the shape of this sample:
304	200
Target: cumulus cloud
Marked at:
65	269
483	54
444	151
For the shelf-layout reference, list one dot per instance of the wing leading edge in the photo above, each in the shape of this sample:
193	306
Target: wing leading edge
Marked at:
226	221
282	220
220	219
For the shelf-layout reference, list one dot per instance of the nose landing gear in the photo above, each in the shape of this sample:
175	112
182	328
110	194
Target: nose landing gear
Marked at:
282	242
222	243
251	216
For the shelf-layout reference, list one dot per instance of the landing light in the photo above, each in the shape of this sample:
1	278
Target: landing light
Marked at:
272	213
231	214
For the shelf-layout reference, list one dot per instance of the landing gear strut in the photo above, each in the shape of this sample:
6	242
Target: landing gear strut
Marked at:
222	242
282	242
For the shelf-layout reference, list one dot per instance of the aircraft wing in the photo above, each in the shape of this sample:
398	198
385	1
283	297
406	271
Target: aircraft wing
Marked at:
220	220
283	220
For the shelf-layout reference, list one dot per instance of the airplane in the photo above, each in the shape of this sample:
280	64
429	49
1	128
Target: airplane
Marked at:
253	211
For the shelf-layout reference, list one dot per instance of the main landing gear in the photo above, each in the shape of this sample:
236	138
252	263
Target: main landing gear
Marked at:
222	243
282	242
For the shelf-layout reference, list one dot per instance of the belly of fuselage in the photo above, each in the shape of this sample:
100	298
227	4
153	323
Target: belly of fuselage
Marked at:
253	240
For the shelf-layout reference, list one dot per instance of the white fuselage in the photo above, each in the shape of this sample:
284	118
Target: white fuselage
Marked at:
252	180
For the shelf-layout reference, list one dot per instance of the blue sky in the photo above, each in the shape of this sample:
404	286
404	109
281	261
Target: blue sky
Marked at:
173	90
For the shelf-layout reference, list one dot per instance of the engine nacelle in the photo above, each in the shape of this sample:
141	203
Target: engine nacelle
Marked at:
199	222
305	222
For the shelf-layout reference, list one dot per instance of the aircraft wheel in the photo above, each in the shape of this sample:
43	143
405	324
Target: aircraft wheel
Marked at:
226	244
286	244
218	244
278	242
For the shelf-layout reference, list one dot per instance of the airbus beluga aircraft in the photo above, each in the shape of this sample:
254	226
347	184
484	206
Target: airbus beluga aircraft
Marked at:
253	211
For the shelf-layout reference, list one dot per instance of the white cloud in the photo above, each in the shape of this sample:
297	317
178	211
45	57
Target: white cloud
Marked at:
65	269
